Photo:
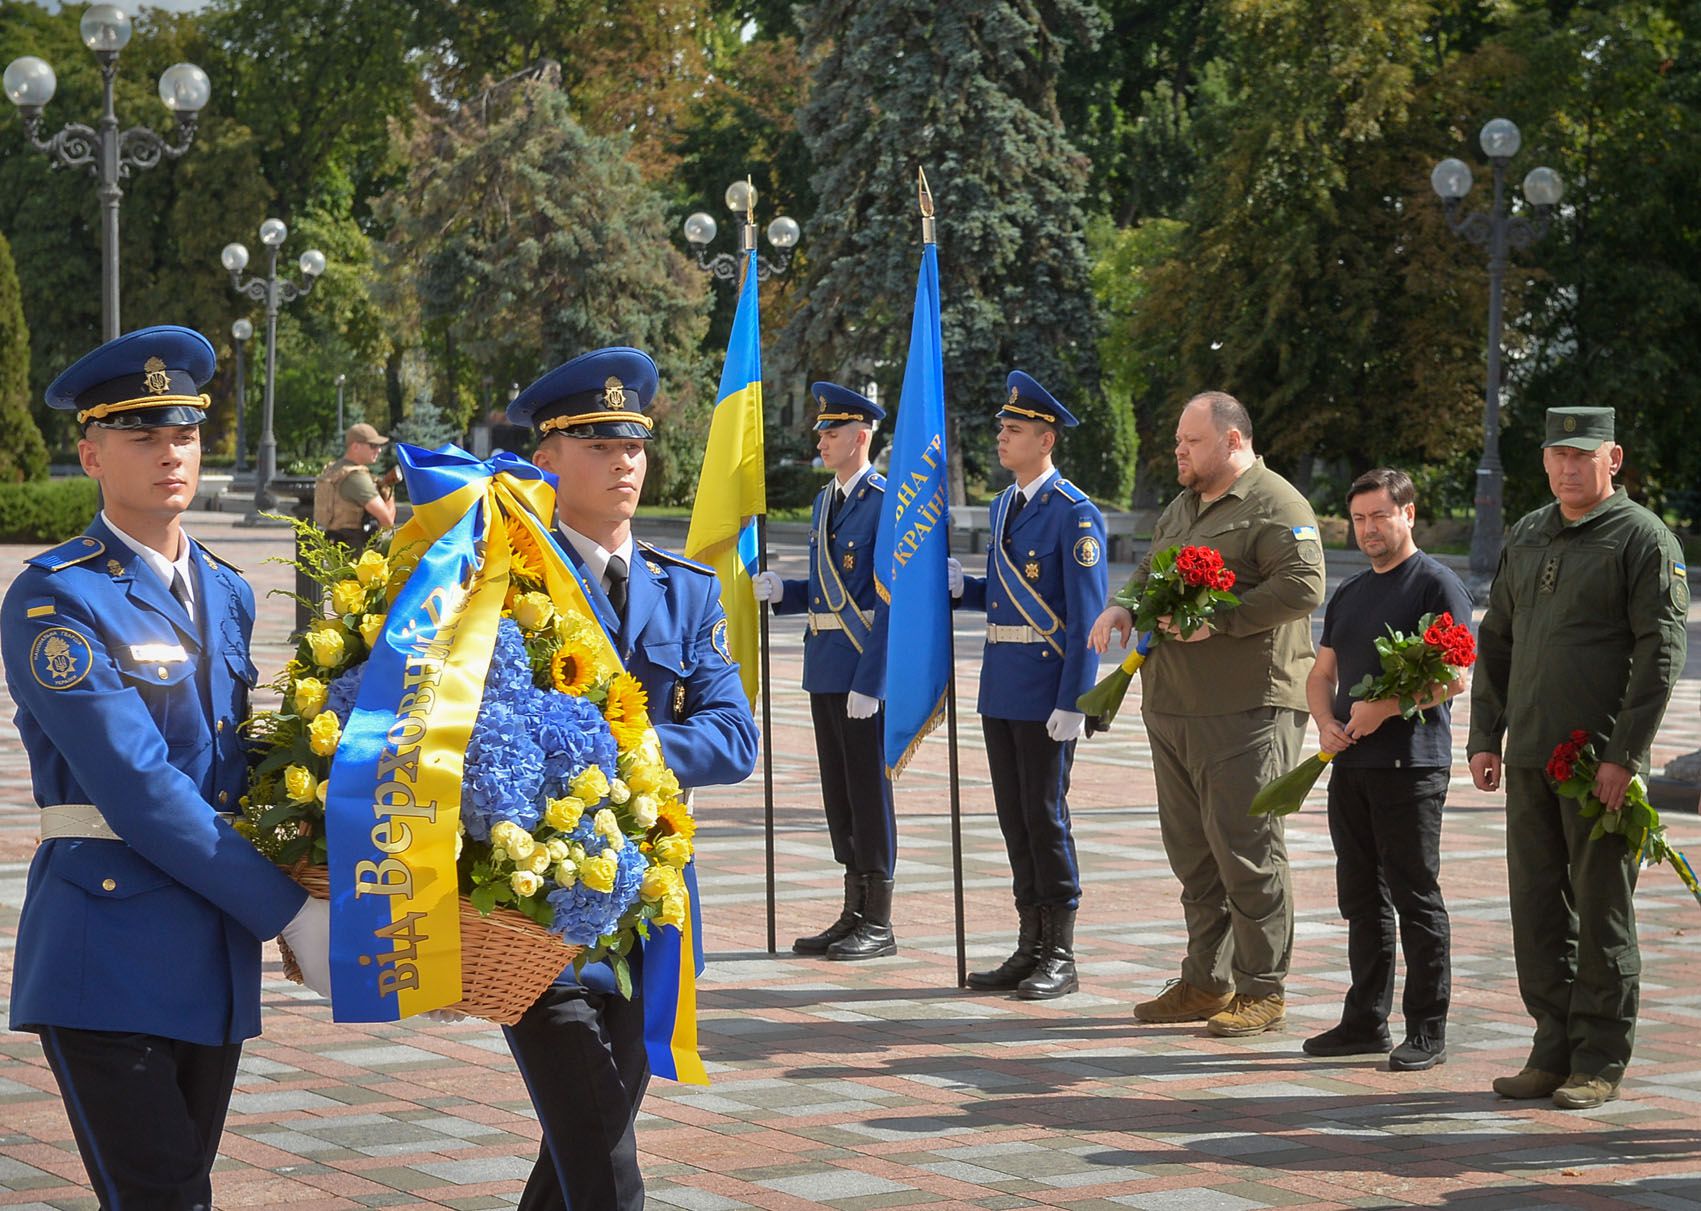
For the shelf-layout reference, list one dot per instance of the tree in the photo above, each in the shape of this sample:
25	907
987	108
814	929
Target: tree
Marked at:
526	240
23	455
968	91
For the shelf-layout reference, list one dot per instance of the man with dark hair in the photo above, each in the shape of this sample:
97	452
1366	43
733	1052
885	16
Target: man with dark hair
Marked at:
1388	783
1224	708
1585	631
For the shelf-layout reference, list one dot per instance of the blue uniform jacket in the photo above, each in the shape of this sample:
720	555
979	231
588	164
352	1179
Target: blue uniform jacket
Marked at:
1051	576
674	641
841	583
125	703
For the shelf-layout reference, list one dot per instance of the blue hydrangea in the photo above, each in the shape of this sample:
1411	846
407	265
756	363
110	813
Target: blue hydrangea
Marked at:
340	695
582	915
504	771
572	734
510	666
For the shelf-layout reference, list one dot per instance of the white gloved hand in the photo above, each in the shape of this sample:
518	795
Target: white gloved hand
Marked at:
861	706
768	586
309	938
443	1015
1064	725
954	575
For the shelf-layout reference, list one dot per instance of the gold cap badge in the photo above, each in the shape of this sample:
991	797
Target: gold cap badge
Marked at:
159	382
614	393
1014	395
1571	424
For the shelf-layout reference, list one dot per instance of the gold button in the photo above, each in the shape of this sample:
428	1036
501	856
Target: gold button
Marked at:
163	673
224	796
221	725
109	884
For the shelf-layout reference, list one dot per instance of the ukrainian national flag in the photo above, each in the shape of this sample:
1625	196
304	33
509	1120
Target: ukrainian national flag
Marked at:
912	544
731	489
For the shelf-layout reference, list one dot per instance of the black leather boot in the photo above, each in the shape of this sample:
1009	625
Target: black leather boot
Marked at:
816	944
1021	962
872	936
1054	974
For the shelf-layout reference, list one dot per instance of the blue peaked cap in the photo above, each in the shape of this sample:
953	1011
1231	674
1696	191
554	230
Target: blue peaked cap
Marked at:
1030	401
840	406
146	379
602	393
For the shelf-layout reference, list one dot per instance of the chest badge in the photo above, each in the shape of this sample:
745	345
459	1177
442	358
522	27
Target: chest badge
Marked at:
1550	575
60	658
1031	569
679	702
848	561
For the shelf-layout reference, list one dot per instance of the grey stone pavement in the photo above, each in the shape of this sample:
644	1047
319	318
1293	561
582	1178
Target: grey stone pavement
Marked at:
880	1084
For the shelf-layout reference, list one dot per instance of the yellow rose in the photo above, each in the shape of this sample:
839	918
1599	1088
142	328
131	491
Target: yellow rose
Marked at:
563	814
348	597
645	777
591	785
534	611
326	644
674	850
540	861
557	850
309	697
644	809
299	783
504	831
672	911
598	872
525	883
607	827
521	845
566	874
372	569
618	791
371	627
323	733
460	841
660	882
323	789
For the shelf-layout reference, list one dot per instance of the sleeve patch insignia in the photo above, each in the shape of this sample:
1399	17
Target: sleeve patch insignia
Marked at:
719	639
1305	534
1679	570
1087	552
60	658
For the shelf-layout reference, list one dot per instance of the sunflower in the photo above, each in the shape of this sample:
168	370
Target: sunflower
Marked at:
676	820
525	561
625	710
572	669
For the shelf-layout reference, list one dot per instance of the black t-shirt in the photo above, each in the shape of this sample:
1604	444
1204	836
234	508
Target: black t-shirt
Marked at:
1362	610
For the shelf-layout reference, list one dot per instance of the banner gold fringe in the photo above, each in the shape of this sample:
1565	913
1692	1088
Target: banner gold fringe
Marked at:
933	721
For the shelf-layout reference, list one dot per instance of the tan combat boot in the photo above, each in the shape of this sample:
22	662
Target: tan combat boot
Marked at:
1528	1085
1249	1015
1582	1092
1181	1002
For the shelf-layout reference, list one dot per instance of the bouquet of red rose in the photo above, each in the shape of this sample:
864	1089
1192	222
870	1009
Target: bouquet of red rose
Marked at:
1573	767
1185	584
1412	665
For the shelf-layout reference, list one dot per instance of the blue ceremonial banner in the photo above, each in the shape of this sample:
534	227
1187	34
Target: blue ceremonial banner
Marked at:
913	544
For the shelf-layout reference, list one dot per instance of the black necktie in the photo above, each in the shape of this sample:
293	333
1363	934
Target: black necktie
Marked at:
180	590
1015	510
834	505
617	572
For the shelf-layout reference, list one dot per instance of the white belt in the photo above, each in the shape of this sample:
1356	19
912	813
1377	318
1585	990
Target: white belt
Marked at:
84	820
998	634
825	622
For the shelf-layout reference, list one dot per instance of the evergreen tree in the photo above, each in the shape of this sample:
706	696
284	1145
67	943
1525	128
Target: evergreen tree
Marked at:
23	455
426	426
966	89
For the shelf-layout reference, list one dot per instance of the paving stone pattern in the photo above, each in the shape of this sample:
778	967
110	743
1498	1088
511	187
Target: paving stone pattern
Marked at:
881	1084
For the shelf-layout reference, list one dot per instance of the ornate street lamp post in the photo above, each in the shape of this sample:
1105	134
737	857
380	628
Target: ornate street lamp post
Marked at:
783	235
273	293
1498	230
108	153
241	332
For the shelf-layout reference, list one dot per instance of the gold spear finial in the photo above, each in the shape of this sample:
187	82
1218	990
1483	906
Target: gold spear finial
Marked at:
924	199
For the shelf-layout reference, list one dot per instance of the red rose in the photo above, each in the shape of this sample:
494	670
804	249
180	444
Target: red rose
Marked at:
1559	770
1580	737
1445	621
1225	579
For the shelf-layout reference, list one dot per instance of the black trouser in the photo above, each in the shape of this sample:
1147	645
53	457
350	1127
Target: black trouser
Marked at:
582	1055
1030	787
147	1113
854	786
1386	826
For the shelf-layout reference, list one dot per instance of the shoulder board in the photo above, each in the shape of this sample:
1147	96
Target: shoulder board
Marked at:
1070	492
218	559
78	550
676	559
876	480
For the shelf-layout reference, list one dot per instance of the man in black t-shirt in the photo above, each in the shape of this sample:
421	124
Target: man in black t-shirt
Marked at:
1389	784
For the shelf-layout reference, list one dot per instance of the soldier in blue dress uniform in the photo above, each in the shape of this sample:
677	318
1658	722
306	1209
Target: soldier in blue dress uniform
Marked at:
581	1047
1045	584
126	652
844	671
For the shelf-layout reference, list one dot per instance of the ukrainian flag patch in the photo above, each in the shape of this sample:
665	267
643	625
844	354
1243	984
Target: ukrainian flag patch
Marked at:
1305	534
1678	569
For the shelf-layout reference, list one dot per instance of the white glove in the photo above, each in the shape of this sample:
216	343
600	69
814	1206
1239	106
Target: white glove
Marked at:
768	586
954	575
1064	726
861	706
309	938
443	1015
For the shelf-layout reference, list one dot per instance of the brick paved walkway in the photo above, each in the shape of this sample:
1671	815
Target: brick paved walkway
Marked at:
881	1085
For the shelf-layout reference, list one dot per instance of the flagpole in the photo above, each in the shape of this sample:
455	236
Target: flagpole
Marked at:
924	199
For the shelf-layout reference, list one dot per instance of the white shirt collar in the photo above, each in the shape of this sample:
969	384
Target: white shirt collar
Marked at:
847	488
162	567
1032	489
595	556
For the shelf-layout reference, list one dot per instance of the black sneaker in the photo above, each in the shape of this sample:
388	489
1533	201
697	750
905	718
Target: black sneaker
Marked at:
1418	1052
1338	1040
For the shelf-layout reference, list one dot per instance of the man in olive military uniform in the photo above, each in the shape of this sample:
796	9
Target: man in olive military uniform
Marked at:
1225	709
1584	630
347	504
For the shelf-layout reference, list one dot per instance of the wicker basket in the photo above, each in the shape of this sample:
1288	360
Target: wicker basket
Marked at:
507	959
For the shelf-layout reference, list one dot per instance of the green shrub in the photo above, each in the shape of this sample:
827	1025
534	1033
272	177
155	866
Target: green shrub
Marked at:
46	510
795	485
